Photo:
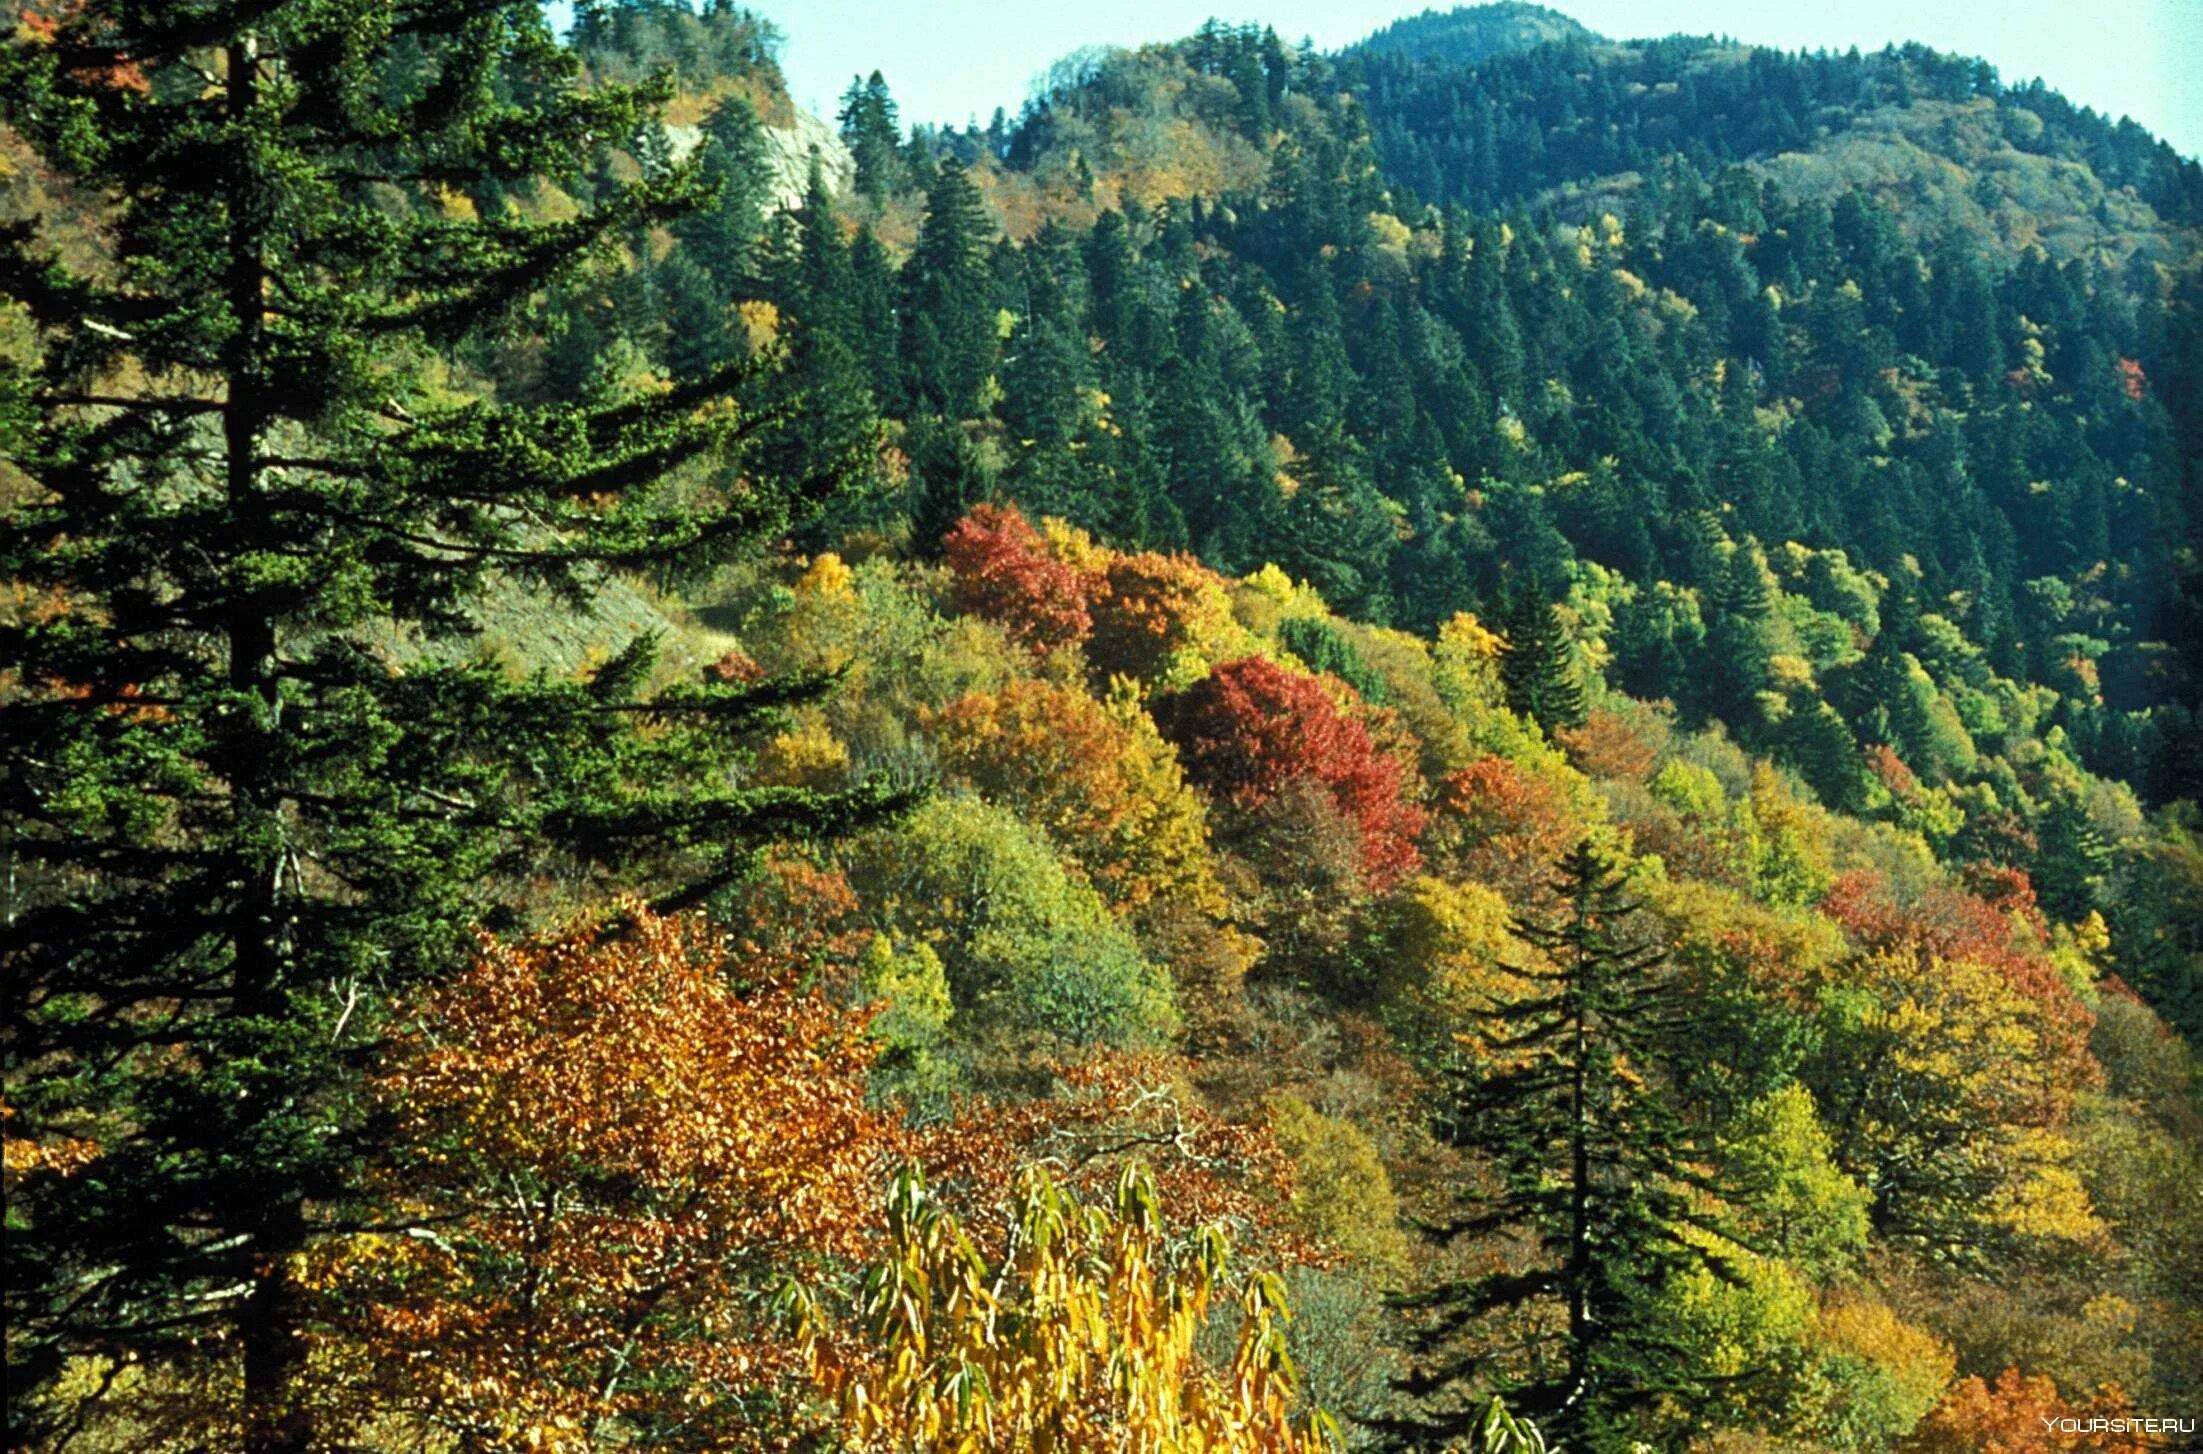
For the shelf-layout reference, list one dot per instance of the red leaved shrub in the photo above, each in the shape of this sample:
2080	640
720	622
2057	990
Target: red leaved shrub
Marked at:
1005	572
1250	727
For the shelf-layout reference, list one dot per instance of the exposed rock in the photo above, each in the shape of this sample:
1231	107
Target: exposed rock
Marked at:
788	152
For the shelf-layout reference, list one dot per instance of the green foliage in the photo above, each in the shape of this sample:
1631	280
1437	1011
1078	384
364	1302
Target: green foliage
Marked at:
259	776
1809	455
1028	952
1558	1087
1341	1192
1321	648
1539	666
1792	1198
909	990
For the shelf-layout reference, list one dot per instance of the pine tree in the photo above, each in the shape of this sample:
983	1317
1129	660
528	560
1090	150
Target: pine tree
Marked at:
827	415
1562	1089
722	235
1740	639
257	779
948	317
2074	860
1539	668
947	478
873	131
872	314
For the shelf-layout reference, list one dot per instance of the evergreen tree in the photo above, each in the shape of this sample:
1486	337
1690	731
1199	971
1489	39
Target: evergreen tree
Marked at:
948	321
1210	437
1539	667
947	478
1563	1089
256	781
826	415
871	127
1740	640
722	235
812	276
2074	861
872	314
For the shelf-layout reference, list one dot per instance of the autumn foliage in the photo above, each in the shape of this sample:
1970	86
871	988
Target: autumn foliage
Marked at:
1952	924
1003	571
606	1145
1101	782
1149	608
1251	726
1085	1334
2018	1414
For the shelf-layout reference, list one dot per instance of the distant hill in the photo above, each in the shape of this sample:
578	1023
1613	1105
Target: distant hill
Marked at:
1472	33
1938	139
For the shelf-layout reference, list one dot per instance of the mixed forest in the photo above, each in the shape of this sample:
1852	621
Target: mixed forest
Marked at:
1493	742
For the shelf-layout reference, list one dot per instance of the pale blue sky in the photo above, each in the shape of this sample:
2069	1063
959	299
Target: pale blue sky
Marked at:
954	60
957	60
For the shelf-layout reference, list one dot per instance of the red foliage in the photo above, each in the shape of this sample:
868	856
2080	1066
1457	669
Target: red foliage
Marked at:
796	918
1609	746
1882	760
2131	378
1006	573
2006	890
1250	726
736	668
1098	1114
50	24
1504	826
2021	1415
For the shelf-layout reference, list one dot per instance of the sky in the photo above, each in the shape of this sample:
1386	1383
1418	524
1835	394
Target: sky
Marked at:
951	61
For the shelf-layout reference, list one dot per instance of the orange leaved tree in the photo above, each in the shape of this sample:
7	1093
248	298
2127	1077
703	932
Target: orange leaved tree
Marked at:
611	1149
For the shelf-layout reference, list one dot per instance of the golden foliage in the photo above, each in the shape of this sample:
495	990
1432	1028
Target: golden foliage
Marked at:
604	1144
1084	1334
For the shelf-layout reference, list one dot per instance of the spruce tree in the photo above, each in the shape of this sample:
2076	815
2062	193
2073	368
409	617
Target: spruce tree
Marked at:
1562	1089
257	782
1539	667
2074	862
871	127
722	236
948	318
1740	640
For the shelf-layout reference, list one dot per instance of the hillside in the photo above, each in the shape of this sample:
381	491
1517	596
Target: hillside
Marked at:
1473	34
1947	148
1494	738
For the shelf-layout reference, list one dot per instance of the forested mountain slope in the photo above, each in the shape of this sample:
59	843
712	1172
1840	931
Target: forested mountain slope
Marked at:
1555	679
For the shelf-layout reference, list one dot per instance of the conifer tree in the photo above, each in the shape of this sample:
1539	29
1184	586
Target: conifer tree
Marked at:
722	235
1539	668
828	412
1562	1089
873	131
948	317
872	314
2074	861
1740	639
257	780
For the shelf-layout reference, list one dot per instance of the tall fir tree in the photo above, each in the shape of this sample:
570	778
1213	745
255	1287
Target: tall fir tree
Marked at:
723	235
257	780
1539	667
1561	1087
872	128
948	318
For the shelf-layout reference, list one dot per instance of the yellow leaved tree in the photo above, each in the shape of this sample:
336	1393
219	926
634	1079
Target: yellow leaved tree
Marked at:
1085	1333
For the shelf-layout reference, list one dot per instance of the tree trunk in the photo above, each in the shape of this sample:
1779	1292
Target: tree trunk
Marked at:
269	1333
1579	1170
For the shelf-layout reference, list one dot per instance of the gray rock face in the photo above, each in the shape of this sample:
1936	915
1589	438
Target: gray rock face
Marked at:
788	152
